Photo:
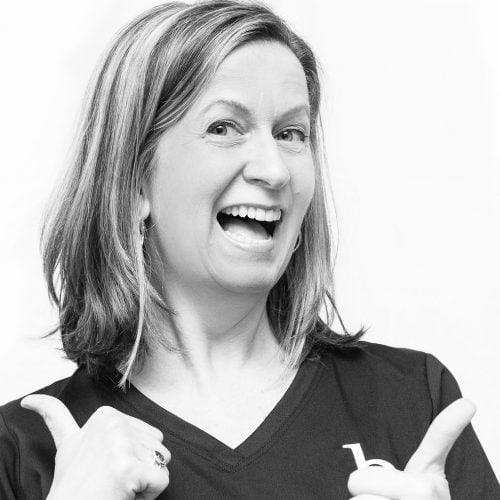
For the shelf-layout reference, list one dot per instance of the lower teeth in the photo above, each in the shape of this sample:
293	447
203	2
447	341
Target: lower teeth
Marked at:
244	239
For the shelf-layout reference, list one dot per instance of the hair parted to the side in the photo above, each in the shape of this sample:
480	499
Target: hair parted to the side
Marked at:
98	274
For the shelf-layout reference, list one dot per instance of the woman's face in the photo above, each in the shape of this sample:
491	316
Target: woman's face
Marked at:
233	179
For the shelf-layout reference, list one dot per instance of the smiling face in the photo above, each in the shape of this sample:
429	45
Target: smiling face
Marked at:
234	177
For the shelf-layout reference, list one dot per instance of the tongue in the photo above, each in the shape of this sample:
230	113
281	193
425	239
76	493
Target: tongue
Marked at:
247	228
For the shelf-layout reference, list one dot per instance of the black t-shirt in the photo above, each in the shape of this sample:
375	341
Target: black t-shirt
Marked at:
376	399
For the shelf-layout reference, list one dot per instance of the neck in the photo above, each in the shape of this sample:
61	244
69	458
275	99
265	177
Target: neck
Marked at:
215	339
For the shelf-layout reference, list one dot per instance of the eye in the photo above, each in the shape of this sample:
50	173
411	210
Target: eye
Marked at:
291	135
223	128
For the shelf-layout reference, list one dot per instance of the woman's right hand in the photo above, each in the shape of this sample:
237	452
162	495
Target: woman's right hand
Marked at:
112	457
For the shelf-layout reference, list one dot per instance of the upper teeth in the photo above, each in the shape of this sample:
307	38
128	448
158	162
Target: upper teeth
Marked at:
253	213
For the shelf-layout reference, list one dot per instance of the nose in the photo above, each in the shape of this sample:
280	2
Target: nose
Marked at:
266	165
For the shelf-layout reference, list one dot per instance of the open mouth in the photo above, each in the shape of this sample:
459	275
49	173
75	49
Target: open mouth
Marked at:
249	224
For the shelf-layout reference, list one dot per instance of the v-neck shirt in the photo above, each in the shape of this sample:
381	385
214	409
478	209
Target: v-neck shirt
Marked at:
212	449
343	407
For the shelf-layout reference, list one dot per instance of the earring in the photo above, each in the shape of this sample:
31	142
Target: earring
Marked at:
142	232
297	244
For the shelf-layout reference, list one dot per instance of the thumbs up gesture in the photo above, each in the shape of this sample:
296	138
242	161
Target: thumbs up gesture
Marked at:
423	477
112	457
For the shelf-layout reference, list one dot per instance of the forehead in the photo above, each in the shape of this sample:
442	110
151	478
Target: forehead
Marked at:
263	73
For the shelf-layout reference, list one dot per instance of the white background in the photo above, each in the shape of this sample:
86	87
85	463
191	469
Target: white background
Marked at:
413	125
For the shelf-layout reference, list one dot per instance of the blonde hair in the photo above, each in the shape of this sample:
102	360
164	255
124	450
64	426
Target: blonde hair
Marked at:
96	269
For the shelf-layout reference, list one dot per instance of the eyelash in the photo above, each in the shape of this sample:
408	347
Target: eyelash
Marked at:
226	123
302	134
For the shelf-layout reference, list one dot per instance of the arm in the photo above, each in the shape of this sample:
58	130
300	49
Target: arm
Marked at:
9	461
112	457
448	464
469	473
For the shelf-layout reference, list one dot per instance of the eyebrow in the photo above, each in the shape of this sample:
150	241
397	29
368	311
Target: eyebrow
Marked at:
242	109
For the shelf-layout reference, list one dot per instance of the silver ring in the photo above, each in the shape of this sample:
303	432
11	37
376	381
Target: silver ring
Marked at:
159	460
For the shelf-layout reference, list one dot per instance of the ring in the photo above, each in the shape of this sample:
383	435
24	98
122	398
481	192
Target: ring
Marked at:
159	460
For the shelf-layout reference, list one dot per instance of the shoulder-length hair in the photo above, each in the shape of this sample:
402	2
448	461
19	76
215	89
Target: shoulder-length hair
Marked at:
97	271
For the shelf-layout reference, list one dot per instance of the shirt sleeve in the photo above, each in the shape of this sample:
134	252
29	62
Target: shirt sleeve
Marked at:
9	460
468	471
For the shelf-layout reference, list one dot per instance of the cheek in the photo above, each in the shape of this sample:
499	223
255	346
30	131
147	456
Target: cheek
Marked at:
180	183
304	182
183	202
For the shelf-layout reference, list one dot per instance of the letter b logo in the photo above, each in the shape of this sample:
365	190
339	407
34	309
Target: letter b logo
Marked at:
359	457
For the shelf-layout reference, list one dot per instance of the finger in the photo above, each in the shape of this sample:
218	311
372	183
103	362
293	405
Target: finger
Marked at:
153	481
382	481
369	497
142	426
55	414
109	415
440	437
392	483
146	453
153	478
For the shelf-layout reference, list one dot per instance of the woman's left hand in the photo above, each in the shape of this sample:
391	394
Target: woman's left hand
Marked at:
423	477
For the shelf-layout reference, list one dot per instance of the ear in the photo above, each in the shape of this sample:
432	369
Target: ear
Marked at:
145	208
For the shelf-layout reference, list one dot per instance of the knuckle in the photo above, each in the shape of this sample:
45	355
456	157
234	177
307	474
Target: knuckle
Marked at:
111	420
113	425
130	483
105	411
164	480
159	434
124	468
120	447
166	453
151	430
103	415
354	479
424	488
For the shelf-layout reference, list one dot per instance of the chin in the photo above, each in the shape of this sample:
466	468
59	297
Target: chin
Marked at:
253	281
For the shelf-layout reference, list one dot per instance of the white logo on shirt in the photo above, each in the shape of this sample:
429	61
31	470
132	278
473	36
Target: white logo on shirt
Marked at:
359	457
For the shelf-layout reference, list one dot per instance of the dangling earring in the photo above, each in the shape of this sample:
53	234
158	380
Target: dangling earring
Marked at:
299	241
142	231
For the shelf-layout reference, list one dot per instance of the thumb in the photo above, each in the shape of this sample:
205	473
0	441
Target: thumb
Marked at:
55	414
440	437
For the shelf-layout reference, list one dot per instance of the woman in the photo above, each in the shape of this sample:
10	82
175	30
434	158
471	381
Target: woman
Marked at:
189	256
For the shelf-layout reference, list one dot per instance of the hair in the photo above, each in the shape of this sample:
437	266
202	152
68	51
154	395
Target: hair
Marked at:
97	271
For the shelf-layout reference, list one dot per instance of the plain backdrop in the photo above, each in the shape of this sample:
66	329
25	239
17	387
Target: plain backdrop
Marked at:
412	119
